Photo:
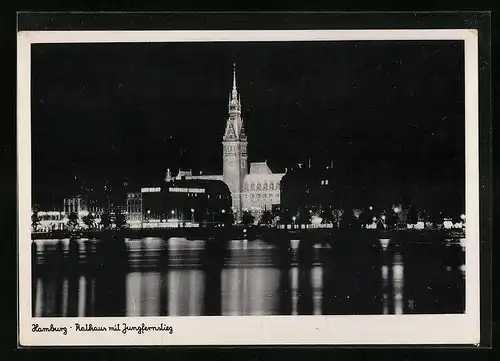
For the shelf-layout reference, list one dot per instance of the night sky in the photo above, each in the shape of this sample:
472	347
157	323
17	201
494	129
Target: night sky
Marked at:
384	112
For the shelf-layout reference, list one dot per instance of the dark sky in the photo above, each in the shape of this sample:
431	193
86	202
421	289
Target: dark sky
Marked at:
384	111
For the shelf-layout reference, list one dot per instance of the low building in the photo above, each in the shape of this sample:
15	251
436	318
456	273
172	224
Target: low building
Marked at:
183	201
45	221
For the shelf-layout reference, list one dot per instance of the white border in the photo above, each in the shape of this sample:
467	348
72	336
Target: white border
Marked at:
261	330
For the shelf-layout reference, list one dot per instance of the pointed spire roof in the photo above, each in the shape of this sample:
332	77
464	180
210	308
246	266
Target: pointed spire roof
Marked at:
234	126
230	132
234	76
234	92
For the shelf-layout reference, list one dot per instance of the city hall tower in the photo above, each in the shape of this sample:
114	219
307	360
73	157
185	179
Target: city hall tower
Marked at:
234	150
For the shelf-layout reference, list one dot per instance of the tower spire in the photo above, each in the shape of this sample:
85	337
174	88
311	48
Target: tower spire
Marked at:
235	90
235	149
234	99
234	75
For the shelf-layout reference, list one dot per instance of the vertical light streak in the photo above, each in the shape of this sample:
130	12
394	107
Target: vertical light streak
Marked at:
397	283
82	293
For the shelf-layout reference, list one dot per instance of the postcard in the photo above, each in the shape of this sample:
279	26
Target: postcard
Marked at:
278	187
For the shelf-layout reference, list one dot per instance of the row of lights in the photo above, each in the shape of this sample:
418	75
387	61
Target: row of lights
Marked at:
192	211
383	217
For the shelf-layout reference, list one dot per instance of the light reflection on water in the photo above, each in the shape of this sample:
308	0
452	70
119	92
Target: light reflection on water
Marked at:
81	296
398	283
177	277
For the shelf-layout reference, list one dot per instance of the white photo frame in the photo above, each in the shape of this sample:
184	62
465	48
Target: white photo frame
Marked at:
258	330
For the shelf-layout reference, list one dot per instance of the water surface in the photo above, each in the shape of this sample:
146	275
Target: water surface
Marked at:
180	277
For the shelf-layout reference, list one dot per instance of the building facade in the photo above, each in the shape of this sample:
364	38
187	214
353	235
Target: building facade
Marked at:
261	189
82	205
45	221
74	205
181	201
134	207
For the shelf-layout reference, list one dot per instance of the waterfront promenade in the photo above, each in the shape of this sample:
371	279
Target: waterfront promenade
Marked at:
268	233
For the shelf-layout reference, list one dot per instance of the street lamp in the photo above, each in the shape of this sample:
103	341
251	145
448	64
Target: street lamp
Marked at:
192	215
370	208
293	219
223	211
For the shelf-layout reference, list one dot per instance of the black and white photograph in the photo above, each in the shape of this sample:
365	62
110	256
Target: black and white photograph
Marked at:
195	187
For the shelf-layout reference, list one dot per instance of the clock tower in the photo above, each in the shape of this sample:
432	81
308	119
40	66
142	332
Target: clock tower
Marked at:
234	153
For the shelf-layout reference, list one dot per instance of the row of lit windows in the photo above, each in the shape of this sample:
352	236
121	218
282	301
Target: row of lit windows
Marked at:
264	187
135	210
72	208
74	202
264	195
235	148
190	195
218	196
261	192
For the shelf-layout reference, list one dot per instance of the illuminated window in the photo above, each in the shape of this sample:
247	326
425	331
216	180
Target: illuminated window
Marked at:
322	182
326	182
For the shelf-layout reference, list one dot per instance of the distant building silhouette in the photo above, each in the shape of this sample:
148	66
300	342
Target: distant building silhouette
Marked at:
83	204
310	189
181	200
